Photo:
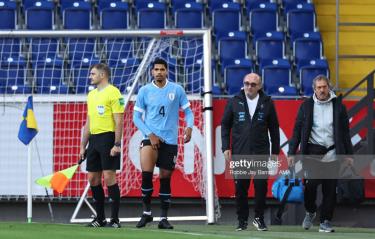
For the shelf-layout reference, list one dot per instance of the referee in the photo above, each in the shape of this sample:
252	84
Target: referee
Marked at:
103	132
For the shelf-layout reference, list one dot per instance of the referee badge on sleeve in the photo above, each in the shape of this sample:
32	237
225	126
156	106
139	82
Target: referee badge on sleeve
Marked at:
121	101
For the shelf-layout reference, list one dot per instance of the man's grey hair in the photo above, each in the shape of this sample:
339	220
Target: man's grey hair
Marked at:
319	78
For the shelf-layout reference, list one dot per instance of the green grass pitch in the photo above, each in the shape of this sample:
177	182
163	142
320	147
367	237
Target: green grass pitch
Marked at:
18	230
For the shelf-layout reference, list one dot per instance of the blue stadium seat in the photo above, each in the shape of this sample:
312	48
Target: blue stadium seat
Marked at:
301	20
9	47
309	72
189	16
40	16
309	47
292	4
276	75
118	49
195	80
264	19
139	4
179	4
270	47
13	72
115	16
77	16
49	76
8	15
80	75
152	17
80	48
233	46
190	50
101	4
234	74
42	48
26	4
122	71
226	19
68	3
253	4
216	4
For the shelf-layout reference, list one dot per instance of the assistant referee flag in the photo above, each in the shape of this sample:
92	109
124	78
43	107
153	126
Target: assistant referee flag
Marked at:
28	128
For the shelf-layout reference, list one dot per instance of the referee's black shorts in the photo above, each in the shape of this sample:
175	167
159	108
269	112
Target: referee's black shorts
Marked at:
167	154
98	153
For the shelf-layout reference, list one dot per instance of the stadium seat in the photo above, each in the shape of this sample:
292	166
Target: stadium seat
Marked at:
13	73
42	48
195	80
152	17
49	76
79	48
140	4
77	16
122	71
233	46
292	4
309	47
80	75
40	16
101	4
179	4
117	49
264	19
276	75
226	19
8	15
212	5
189	16
301	20
115	16
234	74
190	50
253	4
308	72
9	47
270	47
69	3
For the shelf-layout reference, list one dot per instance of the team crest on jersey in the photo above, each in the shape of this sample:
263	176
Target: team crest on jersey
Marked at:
171	96
100	109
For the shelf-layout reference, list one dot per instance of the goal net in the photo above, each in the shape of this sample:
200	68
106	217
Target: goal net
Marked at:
54	68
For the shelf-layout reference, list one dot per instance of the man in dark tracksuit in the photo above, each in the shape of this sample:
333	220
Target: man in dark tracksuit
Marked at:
250	115
322	130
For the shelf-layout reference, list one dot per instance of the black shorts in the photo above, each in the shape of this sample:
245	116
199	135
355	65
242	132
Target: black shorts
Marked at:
98	153
167	154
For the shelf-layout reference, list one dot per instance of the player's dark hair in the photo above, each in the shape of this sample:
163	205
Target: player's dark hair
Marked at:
159	61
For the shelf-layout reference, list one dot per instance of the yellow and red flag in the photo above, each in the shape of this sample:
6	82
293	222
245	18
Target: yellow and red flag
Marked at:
58	180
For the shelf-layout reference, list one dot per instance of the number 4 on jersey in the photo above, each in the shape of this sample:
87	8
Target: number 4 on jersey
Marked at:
161	111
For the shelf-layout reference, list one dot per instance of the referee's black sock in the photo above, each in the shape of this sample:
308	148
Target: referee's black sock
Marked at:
165	196
114	195
98	195
147	189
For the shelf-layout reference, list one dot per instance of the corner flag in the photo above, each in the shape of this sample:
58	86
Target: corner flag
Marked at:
28	128
58	180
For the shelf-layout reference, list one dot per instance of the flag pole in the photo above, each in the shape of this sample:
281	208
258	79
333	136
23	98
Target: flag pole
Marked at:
29	190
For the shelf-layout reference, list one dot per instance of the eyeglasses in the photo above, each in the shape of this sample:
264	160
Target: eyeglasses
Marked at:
248	84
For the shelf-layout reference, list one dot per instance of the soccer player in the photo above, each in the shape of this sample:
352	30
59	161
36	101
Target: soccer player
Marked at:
103	132
159	103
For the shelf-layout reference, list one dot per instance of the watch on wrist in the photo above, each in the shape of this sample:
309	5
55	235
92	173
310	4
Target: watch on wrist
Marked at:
118	144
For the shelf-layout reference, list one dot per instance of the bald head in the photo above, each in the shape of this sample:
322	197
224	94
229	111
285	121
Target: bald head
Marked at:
252	84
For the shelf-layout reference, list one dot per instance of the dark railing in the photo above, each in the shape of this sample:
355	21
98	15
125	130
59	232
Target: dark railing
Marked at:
365	102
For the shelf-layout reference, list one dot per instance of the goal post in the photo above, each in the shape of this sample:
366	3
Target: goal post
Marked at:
188	51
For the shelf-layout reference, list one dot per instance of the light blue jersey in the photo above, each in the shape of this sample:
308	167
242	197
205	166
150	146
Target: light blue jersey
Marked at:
160	107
